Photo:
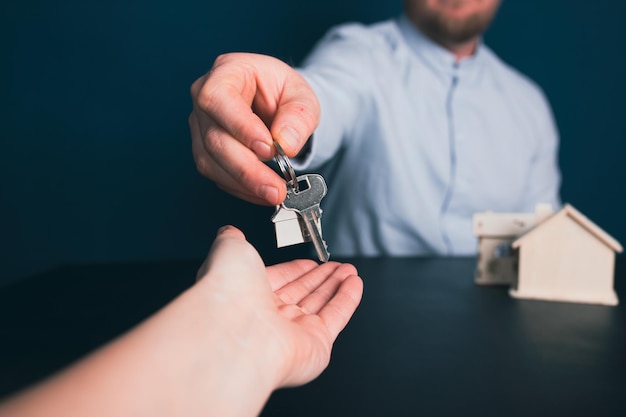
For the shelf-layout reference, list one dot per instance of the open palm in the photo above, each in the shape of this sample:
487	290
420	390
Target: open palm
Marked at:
302	306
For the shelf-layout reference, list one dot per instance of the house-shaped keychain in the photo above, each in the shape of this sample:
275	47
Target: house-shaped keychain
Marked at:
289	228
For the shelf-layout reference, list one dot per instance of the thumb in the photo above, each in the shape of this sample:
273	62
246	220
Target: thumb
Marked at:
229	231
231	257
297	115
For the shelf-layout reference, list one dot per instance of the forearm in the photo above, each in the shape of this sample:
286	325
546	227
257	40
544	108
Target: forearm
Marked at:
219	349
182	361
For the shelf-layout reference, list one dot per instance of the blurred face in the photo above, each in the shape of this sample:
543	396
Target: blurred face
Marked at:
451	22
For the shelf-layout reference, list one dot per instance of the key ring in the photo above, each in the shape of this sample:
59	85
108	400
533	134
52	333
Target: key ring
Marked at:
285	167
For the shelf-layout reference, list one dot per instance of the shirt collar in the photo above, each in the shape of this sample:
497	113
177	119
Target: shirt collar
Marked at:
437	57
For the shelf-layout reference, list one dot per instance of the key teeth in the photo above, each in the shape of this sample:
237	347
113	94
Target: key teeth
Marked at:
322	251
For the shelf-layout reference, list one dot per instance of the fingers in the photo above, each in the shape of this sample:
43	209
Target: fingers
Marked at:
331	290
222	233
229	231
244	176
333	302
313	301
231	247
233	105
339	309
284	273
320	278
225	95
233	262
244	93
296	118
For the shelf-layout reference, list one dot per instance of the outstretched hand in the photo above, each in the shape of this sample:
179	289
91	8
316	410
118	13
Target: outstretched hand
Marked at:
299	306
239	107
219	348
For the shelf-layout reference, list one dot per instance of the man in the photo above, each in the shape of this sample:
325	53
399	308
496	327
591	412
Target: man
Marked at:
420	126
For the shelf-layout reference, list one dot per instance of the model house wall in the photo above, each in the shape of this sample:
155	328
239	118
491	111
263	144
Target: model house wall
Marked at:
566	258
497	262
289	228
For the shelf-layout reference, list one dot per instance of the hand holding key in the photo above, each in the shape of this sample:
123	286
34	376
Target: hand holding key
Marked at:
234	104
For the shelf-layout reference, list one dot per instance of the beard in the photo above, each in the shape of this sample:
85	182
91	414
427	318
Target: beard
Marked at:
448	30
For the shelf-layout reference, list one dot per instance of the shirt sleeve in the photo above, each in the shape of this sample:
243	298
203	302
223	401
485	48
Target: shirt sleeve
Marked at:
336	70
545	177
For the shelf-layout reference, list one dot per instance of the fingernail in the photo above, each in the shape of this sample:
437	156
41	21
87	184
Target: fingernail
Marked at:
290	137
268	193
262	149
222	229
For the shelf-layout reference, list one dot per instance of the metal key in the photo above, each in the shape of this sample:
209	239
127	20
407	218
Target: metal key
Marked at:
306	201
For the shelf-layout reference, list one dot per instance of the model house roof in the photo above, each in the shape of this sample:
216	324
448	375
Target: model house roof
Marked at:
282	214
490	224
569	211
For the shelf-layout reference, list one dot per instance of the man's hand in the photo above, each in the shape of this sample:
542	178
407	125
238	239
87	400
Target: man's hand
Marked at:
239	107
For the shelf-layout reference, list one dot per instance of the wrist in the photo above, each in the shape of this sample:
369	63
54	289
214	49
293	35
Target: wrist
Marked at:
244	336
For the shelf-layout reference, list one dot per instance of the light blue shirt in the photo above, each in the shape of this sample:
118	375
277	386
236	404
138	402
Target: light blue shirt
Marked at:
412	143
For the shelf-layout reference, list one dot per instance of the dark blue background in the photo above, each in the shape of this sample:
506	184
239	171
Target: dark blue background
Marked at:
95	158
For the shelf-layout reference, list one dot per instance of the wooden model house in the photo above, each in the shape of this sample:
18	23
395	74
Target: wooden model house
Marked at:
497	261
566	258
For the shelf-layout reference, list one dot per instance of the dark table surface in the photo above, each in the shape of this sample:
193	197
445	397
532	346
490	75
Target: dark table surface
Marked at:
424	341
